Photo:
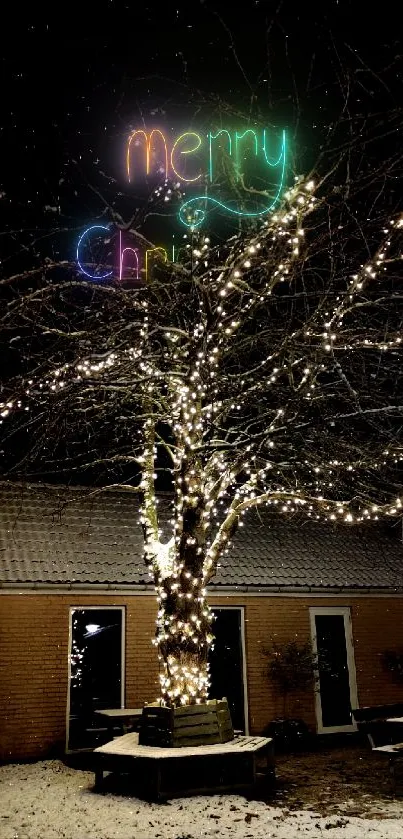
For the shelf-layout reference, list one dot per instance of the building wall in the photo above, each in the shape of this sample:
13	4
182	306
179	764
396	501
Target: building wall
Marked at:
34	641
377	624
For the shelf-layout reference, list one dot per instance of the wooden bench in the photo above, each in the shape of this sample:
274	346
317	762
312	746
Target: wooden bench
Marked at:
393	751
160	773
384	734
372	721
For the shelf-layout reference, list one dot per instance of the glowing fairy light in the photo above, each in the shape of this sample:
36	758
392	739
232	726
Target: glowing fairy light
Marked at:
159	254
213	488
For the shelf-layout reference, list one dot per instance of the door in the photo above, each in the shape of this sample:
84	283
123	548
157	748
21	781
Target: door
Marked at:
227	663
96	672
336	689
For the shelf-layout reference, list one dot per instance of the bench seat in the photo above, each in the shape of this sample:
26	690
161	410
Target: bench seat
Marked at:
384	736
372	721
160	773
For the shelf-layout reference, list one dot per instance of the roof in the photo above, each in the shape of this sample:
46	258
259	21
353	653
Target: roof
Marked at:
64	536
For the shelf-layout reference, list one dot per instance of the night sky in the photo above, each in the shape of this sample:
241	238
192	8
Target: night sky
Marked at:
77	78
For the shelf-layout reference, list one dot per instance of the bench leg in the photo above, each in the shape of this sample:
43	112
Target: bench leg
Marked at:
155	786
99	776
270	768
109	730
253	770
396	775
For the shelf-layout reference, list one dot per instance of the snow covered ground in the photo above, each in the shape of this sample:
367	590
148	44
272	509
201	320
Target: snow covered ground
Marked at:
47	799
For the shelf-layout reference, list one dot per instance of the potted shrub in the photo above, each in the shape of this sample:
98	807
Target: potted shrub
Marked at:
291	668
392	661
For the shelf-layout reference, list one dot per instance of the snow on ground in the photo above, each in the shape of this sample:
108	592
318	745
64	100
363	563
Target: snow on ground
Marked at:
48	799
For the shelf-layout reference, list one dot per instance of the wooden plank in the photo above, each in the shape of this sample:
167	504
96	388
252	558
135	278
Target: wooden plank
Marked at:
157	718
208	739
220	704
155	726
227	731
194	720
120	712
157	711
192	737
226	726
156	729
156	742
203	708
196	730
221	717
392	748
227	736
128	746
162	739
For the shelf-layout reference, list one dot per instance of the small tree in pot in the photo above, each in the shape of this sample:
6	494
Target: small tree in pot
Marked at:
291	668
392	661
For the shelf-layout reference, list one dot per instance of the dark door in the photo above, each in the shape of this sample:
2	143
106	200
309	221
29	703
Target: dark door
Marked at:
95	672
334	680
226	663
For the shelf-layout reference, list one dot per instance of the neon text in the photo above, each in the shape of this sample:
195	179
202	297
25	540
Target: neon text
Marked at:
154	154
132	263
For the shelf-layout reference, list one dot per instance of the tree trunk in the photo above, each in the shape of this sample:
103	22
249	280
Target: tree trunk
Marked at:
184	623
184	638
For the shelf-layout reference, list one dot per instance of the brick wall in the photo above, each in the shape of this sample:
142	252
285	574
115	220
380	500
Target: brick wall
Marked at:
34	658
34	666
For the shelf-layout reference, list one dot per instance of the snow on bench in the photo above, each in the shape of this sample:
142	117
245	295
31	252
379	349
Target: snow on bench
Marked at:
191	770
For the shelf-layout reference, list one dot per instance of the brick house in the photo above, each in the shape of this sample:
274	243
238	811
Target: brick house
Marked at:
77	616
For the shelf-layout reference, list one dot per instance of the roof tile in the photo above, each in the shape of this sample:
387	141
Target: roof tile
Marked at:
96	538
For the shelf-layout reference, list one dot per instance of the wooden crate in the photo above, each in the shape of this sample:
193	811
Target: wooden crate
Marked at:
189	725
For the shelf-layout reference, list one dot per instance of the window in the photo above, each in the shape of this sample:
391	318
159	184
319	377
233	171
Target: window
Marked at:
96	672
336	691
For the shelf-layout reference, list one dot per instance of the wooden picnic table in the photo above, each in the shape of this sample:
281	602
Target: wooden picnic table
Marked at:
121	717
163	772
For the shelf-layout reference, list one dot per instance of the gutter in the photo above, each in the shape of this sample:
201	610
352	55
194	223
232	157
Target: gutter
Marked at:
148	589
88	588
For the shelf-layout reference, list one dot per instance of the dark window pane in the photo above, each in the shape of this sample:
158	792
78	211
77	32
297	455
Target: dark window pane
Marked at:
96	671
226	666
334	680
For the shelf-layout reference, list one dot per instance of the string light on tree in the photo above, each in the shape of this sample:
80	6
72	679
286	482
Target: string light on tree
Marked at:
240	370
